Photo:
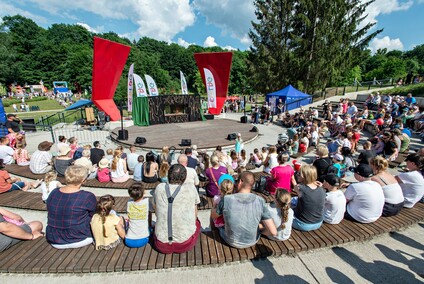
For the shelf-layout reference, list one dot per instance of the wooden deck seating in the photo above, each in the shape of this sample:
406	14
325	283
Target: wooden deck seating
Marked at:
32	201
39	257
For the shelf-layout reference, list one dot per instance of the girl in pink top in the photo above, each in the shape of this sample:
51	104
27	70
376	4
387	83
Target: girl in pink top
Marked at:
282	176
21	155
73	143
103	171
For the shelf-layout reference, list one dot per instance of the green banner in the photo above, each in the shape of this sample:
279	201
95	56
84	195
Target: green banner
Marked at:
140	111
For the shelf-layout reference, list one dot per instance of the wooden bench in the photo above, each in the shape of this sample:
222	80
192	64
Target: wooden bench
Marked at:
39	257
32	201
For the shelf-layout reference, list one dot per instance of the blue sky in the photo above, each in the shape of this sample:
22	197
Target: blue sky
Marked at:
222	23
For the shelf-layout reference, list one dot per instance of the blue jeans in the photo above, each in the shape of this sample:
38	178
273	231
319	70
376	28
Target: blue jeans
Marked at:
17	186
301	226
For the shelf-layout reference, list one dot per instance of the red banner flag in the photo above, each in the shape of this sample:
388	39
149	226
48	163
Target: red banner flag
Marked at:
108	63
219	63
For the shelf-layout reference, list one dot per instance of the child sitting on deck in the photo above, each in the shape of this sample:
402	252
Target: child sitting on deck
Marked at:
103	174
106	226
49	184
281	214
139	217
335	201
20	155
226	187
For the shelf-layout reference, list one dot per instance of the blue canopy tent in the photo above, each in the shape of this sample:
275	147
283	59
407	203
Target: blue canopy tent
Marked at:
290	96
78	104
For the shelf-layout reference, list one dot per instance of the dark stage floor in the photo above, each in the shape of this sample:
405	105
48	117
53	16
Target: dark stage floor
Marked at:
205	134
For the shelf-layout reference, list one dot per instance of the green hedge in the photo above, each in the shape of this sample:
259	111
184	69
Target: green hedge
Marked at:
417	90
9	102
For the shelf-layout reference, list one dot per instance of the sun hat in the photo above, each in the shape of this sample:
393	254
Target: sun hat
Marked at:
64	150
225	177
338	157
45	146
104	163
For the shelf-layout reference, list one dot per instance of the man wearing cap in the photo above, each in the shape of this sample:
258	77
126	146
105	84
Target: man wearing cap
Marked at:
243	212
335	201
365	199
41	160
178	234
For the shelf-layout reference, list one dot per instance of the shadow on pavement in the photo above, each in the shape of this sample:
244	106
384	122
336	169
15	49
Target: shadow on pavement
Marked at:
271	276
376	271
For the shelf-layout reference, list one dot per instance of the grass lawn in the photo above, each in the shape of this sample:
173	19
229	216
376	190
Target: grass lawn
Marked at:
44	105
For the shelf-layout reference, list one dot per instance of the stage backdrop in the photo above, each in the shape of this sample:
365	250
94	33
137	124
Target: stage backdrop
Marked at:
219	63
108	62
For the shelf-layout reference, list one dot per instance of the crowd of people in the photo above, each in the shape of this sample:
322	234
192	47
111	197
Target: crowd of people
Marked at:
305	195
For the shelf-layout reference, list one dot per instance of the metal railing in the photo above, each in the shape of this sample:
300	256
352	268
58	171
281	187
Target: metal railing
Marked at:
62	117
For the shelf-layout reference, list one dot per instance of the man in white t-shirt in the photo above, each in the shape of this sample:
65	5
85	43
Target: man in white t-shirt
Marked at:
352	110
192	176
365	199
335	201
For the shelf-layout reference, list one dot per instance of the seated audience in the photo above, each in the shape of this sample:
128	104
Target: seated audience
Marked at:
282	215
21	156
308	214
393	196
335	201
41	160
138	169
49	184
192	176
96	153
412	182
63	161
86	162
282	176
365	199
8	183
213	174
14	229
132	159
103	173
106	226
139	217
69	212
6	152
118	168
150	169
271	160
163	172
323	162
179	234
243	212
226	187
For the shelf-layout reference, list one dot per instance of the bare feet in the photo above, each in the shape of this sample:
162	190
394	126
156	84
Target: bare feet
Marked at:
35	184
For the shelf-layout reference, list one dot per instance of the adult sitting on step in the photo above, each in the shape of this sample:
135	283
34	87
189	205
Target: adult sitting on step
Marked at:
41	160
69	212
243	212
14	229
177	201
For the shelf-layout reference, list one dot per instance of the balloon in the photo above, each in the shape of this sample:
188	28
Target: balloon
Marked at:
380	121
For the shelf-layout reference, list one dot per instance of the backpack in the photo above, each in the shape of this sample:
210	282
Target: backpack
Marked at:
260	186
331	169
78	153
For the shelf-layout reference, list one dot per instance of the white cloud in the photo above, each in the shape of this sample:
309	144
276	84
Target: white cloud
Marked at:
385	7
210	42
233	17
87	27
184	43
10	10
385	42
229	47
158	19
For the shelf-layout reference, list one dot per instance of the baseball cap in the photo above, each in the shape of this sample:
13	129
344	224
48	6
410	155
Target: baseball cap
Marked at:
363	170
332	179
225	177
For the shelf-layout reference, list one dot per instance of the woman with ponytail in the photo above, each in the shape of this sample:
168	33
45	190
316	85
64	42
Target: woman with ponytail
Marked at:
281	214
106	226
119	171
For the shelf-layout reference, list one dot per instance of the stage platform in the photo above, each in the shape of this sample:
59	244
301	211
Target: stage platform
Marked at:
205	134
